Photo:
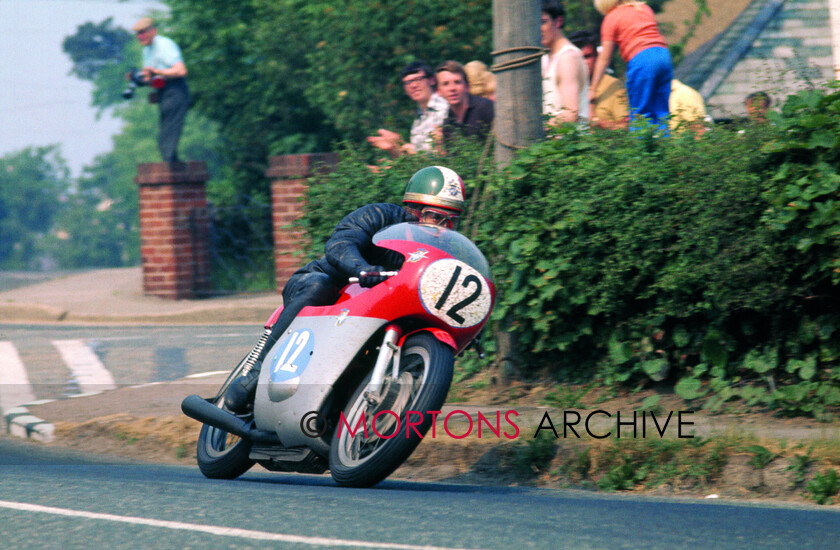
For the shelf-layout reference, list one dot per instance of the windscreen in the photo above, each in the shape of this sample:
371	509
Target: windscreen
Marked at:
448	240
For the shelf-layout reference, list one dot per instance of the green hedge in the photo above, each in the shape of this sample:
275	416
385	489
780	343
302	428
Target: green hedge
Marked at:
711	263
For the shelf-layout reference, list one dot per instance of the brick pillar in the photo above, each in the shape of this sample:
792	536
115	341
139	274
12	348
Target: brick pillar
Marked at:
288	176
174	229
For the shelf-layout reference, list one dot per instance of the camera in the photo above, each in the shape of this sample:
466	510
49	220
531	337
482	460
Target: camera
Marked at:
136	78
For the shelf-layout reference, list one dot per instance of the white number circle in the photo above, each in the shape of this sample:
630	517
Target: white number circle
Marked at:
455	293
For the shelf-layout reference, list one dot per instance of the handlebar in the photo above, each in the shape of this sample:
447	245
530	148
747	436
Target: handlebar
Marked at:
380	273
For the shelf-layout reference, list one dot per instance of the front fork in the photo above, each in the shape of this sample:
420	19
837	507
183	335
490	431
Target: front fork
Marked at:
387	351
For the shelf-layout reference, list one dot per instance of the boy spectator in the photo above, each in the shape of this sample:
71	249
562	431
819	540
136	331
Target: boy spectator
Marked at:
757	104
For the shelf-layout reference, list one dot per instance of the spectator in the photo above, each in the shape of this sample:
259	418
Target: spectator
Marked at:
469	115
419	84
687	108
482	81
162	58
609	108
565	79
632	26
757	104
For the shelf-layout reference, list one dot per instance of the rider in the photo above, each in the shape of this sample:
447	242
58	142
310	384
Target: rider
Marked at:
434	195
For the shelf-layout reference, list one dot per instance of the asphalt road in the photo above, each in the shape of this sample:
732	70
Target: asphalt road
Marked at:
131	355
56	499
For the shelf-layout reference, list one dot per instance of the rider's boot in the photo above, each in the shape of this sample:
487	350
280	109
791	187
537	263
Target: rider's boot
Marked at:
239	397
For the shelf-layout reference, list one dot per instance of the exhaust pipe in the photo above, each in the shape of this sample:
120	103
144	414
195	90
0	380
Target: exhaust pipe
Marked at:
202	410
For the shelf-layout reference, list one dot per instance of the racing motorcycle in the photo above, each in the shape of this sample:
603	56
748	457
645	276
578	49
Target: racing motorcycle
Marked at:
353	387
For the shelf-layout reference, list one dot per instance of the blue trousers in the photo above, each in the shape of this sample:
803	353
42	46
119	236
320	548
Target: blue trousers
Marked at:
649	75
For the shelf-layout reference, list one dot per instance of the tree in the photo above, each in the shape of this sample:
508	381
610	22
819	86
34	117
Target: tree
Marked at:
99	222
296	76
102	54
33	183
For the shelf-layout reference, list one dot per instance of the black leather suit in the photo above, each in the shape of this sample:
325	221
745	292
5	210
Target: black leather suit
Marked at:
350	249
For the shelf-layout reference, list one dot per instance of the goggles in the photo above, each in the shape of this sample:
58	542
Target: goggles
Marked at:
437	216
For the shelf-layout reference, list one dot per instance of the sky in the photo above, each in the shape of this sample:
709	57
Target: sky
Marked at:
40	102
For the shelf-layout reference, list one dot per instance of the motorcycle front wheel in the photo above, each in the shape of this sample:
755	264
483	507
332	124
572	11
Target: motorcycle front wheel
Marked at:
221	455
383	428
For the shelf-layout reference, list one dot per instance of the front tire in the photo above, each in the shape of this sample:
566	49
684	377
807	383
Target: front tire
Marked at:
221	455
425	373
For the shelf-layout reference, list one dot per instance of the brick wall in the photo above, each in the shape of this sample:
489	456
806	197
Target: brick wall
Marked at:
173	229
288	185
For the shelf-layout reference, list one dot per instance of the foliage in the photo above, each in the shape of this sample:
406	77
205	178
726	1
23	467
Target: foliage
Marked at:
94	46
102	54
296	76
33	184
534	455
824	487
98	222
799	466
354	183
631	259
761	456
652	462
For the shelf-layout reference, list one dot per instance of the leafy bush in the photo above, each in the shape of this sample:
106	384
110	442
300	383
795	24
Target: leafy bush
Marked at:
824	487
711	263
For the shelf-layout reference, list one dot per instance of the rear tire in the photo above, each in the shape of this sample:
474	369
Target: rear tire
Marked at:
425	373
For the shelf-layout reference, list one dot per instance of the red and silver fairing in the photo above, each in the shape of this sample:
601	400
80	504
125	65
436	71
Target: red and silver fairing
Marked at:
444	287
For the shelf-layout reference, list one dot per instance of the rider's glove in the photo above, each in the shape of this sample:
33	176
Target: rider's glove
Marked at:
369	276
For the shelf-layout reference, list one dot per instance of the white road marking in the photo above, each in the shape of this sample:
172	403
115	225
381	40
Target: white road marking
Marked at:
214	529
14	383
90	373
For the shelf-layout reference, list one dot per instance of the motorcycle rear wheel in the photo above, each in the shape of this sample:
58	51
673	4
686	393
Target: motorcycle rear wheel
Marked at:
221	455
425	373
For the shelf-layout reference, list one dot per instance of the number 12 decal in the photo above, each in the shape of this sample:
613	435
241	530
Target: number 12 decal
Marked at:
294	358
455	293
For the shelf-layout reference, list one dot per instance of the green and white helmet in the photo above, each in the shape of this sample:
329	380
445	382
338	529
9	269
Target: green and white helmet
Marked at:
436	186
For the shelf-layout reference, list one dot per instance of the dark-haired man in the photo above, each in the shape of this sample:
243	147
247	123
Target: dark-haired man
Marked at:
565	79
419	85
469	115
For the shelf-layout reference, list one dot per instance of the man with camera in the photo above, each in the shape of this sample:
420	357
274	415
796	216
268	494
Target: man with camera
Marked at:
164	70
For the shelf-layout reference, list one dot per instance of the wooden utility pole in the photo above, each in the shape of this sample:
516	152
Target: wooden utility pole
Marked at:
834	22
516	62
518	111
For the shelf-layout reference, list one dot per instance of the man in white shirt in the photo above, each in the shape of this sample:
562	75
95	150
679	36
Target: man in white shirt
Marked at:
419	84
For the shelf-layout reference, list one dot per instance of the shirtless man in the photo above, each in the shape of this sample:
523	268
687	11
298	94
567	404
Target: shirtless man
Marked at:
564	75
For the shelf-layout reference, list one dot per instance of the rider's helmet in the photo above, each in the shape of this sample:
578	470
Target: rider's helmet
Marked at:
436	195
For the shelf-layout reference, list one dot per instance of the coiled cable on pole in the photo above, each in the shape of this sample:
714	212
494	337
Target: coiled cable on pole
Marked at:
522	61
519	61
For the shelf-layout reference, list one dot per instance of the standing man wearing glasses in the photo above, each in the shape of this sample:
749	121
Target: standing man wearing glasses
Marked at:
610	108
419	84
162	58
